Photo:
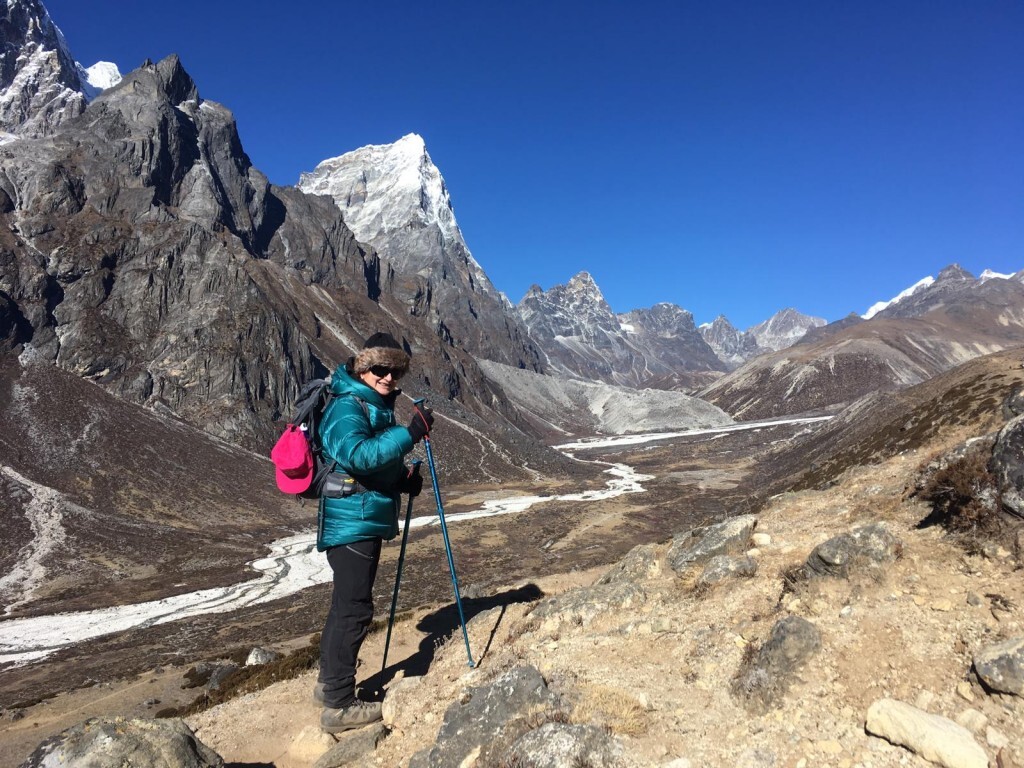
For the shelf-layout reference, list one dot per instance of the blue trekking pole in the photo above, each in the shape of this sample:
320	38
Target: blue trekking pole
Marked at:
398	575
444	534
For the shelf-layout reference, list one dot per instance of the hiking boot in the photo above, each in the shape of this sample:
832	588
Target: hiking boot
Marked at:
355	715
318	693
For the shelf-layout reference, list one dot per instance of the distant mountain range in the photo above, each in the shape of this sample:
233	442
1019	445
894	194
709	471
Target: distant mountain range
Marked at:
142	250
940	324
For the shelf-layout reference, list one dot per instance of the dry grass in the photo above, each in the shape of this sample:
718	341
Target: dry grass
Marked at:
611	707
965	501
248	679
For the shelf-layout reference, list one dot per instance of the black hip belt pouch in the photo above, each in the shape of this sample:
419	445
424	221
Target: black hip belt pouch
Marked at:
338	485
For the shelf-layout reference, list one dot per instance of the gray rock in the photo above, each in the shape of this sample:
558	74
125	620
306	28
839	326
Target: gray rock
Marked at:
639	564
1007	464
209	674
260	656
1001	666
220	674
1014	405
102	743
558	745
353	747
581	606
763	680
935	738
723	567
756	757
698	546
862	548
489	718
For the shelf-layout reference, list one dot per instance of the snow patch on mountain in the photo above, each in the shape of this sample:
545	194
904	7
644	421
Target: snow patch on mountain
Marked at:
989	274
877	307
100	76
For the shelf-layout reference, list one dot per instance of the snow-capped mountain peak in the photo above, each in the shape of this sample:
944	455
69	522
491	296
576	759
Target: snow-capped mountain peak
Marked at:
368	182
784	329
384	189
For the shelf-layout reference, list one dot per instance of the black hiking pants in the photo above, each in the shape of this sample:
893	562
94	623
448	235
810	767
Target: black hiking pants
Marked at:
348	620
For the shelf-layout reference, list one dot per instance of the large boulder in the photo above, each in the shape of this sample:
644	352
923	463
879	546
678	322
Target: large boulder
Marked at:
487	720
867	547
1001	666
1007	464
765	677
698	546
105	742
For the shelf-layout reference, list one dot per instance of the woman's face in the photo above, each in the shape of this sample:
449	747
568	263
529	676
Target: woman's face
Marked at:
381	379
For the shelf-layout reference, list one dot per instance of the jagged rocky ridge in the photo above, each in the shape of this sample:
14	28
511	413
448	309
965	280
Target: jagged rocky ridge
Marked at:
143	250
733	346
581	336
41	85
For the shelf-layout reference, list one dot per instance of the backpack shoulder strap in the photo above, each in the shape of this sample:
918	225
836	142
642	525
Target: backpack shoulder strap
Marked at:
309	399
362	404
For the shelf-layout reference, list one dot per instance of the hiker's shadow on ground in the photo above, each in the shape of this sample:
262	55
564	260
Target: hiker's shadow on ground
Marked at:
444	623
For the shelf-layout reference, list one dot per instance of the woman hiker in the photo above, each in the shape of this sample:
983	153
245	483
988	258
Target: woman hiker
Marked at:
358	431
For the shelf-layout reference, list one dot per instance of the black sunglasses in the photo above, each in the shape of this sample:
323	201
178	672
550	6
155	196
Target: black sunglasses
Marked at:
380	371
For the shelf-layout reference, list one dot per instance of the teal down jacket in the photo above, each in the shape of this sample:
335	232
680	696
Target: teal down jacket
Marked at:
367	445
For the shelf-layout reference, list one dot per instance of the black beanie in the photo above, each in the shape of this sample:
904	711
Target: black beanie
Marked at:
382	340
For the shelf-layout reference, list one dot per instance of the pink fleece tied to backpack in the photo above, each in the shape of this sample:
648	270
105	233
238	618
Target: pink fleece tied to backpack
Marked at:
293	461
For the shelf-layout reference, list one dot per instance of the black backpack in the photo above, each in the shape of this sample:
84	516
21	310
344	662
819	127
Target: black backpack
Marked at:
310	406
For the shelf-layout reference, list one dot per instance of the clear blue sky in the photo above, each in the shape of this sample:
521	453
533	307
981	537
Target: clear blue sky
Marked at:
731	157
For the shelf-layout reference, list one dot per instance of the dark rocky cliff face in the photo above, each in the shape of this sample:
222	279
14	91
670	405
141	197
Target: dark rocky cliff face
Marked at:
140	248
